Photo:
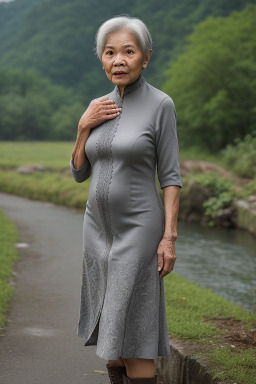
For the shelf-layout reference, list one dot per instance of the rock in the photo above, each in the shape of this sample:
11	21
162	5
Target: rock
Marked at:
246	214
227	217
31	168
192	198
252	201
188	166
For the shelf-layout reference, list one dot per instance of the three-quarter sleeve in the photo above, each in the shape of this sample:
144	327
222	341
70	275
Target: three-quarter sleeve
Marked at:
167	149
82	173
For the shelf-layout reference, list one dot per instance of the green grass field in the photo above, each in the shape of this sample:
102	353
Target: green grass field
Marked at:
56	155
53	155
8	254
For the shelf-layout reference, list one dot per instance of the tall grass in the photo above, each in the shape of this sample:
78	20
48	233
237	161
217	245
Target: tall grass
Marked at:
53	187
8	254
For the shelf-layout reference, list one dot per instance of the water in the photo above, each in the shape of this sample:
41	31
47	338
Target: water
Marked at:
220	259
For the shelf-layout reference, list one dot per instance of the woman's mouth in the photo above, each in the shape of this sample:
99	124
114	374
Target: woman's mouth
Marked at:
119	74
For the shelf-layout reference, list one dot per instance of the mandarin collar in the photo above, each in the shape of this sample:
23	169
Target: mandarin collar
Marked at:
131	87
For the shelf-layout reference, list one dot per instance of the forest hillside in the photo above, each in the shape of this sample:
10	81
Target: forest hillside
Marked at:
50	43
56	37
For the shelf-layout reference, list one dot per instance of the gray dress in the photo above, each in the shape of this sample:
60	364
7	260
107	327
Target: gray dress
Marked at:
122	298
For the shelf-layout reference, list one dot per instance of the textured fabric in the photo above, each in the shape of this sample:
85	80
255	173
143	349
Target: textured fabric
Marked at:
122	298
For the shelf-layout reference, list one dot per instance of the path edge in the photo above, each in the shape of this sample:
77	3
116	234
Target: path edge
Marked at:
181	367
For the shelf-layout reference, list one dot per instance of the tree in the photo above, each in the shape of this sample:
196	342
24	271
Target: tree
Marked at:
56	37
30	105
64	122
213	83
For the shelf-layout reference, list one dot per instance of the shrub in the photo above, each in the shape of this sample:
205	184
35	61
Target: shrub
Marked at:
241	157
222	192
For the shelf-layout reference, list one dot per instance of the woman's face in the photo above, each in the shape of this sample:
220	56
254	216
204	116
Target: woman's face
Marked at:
123	58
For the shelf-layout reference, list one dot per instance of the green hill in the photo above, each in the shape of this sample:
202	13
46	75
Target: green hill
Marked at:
11	18
49	71
56	37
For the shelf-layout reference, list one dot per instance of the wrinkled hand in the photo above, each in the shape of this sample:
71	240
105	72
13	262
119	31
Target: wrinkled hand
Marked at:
98	111
166	256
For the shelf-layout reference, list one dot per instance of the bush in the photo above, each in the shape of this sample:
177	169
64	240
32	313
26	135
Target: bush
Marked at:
215	183
222	193
241	157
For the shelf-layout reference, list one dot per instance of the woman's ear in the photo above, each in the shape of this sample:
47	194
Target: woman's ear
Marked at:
146	59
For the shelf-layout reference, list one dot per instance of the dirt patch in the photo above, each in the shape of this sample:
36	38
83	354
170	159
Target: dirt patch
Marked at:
189	348
235	333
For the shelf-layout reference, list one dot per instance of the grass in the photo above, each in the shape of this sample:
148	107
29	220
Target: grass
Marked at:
189	305
197	154
54	187
8	254
50	186
53	155
56	155
238	366
190	308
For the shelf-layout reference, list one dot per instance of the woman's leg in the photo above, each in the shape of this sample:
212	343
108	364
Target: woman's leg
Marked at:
116	363
140	368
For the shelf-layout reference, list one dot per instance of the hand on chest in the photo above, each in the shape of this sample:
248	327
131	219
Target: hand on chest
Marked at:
129	137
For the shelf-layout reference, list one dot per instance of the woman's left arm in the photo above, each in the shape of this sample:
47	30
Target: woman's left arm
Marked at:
166	249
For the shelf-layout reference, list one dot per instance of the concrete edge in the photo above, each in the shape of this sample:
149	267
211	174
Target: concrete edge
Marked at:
181	368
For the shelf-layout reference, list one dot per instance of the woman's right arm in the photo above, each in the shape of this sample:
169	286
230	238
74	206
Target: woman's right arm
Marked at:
99	110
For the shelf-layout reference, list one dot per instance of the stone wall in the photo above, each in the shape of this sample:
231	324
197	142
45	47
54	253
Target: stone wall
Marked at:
246	214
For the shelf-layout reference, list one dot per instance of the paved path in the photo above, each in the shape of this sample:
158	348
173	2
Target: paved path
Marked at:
40	344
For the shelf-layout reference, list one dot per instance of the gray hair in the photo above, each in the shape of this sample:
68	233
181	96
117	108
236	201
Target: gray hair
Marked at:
133	24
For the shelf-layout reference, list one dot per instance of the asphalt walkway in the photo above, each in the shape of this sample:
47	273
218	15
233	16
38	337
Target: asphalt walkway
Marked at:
40	345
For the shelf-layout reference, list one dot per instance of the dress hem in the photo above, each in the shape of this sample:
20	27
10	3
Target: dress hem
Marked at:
116	357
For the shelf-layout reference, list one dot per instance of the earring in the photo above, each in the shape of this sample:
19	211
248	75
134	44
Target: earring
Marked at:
103	68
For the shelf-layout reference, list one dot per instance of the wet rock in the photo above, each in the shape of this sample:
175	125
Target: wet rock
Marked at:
31	168
227	217
246	214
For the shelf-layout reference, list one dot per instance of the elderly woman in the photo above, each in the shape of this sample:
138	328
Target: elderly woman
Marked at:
129	233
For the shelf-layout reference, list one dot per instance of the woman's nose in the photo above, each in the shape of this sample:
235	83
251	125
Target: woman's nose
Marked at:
119	60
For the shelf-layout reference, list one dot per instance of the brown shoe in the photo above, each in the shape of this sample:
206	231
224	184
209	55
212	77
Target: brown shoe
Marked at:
150	380
116	374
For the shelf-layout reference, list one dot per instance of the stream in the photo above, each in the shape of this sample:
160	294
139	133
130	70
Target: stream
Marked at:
223	260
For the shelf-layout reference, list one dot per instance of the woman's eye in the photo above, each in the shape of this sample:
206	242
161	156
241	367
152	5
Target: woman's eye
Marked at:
129	51
109	53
